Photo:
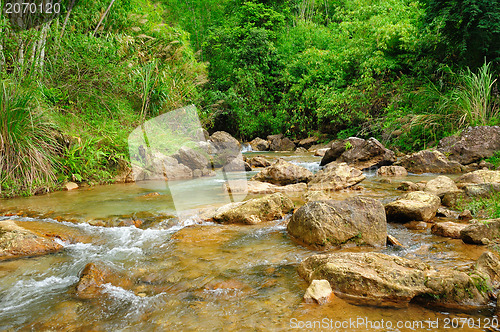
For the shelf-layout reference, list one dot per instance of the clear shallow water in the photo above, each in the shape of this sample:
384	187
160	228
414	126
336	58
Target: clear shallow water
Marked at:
191	276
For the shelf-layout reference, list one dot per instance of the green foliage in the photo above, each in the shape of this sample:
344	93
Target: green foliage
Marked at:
482	207
471	30
27	142
495	159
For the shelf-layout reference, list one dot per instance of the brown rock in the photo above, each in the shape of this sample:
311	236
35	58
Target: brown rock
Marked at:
282	172
472	145
258	144
259	161
94	276
326	224
448	229
16	242
429	162
336	177
254	211
440	185
392	171
70	186
416	205
481	232
280	143
319	291
306	143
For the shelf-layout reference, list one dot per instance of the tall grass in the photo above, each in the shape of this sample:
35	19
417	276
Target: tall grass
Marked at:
27	143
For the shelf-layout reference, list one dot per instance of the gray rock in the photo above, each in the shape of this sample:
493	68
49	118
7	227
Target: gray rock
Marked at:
440	185
416	205
282	172
392	171
427	161
336	177
481	232
472	145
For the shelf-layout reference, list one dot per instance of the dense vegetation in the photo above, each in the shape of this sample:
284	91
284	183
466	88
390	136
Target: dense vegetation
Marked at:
408	72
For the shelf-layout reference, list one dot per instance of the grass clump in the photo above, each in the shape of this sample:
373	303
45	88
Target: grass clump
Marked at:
484	207
27	143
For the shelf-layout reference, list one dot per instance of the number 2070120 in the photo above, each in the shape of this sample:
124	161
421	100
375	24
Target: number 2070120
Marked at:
32	8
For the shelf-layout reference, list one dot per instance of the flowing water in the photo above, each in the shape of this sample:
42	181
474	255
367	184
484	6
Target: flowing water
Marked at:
199	278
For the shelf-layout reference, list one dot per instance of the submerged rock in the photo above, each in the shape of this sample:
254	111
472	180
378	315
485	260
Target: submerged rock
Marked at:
359	153
472	145
93	278
336	177
392	171
17	241
319	291
282	172
326	224
427	161
254	211
382	280
416	205
481	232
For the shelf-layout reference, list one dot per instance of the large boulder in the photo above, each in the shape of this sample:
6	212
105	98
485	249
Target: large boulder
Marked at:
258	144
282	172
326	224
392	171
481	232
359	153
427	161
416	205
480	176
17	241
94	278
191	158
223	141
382	280
280	143
254	211
336	176
440	185
472	145
161	167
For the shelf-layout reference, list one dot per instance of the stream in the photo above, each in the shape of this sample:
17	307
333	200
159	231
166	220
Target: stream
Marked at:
204	277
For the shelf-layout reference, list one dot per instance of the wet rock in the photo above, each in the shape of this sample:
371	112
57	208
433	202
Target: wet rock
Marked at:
480	176
416	205
489	264
192	159
480	189
440	185
259	161
326	224
280	143
382	280
336	177
472	145
427	161
93	278
162	168
481	232
250	187
258	144
125	173
392	171
306	143
254	211
319	291
448	229
282	172
70	186
237	165
359	153
17	241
